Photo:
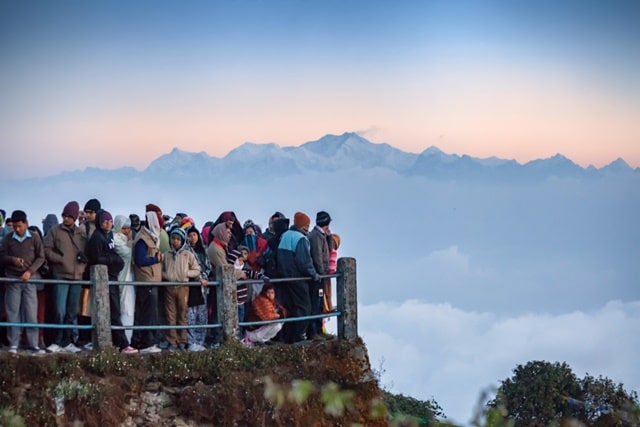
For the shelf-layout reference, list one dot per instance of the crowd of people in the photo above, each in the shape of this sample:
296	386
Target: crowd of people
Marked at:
158	248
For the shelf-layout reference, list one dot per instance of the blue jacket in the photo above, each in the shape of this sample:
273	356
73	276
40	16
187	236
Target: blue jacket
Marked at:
294	255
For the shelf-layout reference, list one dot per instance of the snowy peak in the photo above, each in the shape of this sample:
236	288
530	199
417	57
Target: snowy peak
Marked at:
178	160
617	166
348	152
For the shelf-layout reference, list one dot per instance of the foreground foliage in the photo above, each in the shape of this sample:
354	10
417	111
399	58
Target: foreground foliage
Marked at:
541	393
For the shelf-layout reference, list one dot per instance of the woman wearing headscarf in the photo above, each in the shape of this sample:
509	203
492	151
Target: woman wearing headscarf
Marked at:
122	238
147	267
237	233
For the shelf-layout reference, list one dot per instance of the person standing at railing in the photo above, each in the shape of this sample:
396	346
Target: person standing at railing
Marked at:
320	250
179	265
163	247
147	267
218	252
123	240
101	250
197	311
64	248
88	226
22	254
294	261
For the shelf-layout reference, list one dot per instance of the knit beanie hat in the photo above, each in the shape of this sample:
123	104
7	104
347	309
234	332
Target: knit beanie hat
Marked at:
180	233
103	216
186	223
322	219
301	220
71	209
92	205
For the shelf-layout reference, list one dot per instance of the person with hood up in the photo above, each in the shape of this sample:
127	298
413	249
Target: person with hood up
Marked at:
197	311
101	251
179	265
231	220
123	240
217	253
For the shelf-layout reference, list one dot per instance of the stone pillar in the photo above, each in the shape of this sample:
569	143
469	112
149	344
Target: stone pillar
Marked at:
347	298
228	302
100	308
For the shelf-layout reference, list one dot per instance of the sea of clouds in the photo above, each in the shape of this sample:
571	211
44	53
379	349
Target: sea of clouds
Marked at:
458	281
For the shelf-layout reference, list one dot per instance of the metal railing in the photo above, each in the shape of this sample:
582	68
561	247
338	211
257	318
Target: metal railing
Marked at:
227	306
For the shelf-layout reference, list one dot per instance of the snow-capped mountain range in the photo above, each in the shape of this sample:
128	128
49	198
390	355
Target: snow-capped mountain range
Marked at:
349	151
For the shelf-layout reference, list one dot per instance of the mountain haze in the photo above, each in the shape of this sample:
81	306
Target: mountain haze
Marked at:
466	266
346	152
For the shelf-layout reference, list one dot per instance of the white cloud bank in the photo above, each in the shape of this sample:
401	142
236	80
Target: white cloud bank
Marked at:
439	351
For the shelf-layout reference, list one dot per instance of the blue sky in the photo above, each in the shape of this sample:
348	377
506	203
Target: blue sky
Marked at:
520	80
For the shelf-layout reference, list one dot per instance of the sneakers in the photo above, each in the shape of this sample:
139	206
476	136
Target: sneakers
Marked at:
37	351
181	347
88	346
13	350
196	347
153	349
247	342
129	350
171	348
163	345
54	348
71	348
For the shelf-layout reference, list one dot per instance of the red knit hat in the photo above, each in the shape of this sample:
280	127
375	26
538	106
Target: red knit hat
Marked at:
301	220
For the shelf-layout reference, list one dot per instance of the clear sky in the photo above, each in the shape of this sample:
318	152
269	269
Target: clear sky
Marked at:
119	83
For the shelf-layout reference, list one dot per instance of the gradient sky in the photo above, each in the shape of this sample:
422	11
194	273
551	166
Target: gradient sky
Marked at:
119	83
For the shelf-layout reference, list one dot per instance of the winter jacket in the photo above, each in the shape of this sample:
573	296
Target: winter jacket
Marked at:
180	265
319	250
265	309
61	247
294	255
101	251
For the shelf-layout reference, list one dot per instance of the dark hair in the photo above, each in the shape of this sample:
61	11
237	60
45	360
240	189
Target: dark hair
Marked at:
18	216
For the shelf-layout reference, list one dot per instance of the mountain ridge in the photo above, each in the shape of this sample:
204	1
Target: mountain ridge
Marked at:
349	151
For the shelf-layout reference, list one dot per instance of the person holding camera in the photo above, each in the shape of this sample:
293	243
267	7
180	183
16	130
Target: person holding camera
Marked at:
64	247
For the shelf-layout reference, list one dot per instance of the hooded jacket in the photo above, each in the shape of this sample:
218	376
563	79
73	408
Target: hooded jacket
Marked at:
180	265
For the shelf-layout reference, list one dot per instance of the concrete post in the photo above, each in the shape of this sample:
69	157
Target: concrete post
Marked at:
228	302
347	298
100	308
